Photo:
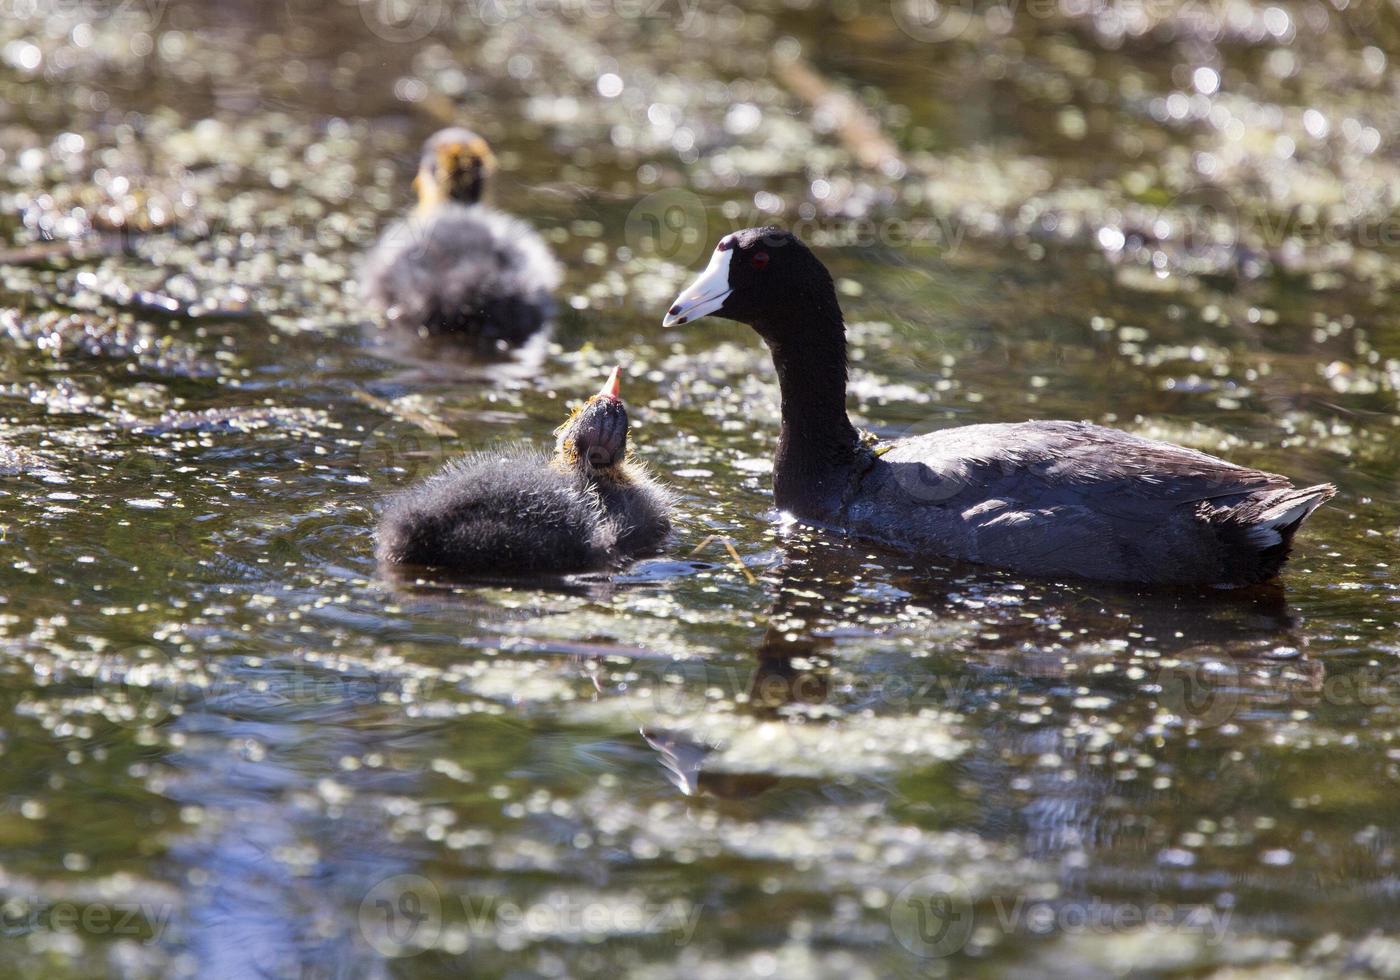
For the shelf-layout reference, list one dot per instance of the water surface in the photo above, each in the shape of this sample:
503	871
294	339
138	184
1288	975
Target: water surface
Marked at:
233	747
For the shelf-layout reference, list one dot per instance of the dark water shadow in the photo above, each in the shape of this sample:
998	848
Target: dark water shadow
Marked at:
428	360
1221	648
429	582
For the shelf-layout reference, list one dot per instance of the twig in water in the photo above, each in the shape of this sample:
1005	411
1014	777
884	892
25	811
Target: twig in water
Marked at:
429	425
733	553
858	129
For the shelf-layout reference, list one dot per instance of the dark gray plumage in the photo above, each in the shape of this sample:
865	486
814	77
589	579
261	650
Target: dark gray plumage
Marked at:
585	508
1069	498
465	270
1044	498
456	266
516	514
639	507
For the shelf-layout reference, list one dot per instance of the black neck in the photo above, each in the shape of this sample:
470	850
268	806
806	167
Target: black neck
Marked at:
817	448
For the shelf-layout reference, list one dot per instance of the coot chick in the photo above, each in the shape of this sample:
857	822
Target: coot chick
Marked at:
585	508
1043	498
456	266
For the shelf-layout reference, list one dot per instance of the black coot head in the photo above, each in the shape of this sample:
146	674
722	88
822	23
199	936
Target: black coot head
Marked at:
595	436
765	277
455	166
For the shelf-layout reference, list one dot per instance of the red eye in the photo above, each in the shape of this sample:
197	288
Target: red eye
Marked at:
759	260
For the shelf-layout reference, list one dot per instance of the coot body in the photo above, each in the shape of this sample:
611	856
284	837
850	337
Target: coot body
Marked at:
1049	498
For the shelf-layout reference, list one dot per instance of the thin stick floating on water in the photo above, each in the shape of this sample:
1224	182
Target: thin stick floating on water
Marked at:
733	553
856	126
429	425
47	251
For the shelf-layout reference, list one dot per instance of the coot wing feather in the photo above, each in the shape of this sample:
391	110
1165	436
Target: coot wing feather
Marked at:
1047	464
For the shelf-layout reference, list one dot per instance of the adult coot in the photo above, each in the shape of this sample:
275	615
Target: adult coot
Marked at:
456	266
1043	498
584	508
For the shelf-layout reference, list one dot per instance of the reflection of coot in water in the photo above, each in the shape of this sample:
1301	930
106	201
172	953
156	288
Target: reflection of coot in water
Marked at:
775	682
456	266
585	508
989	636
683	760
1043	498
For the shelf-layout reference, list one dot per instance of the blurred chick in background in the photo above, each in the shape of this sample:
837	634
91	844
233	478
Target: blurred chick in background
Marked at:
455	266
